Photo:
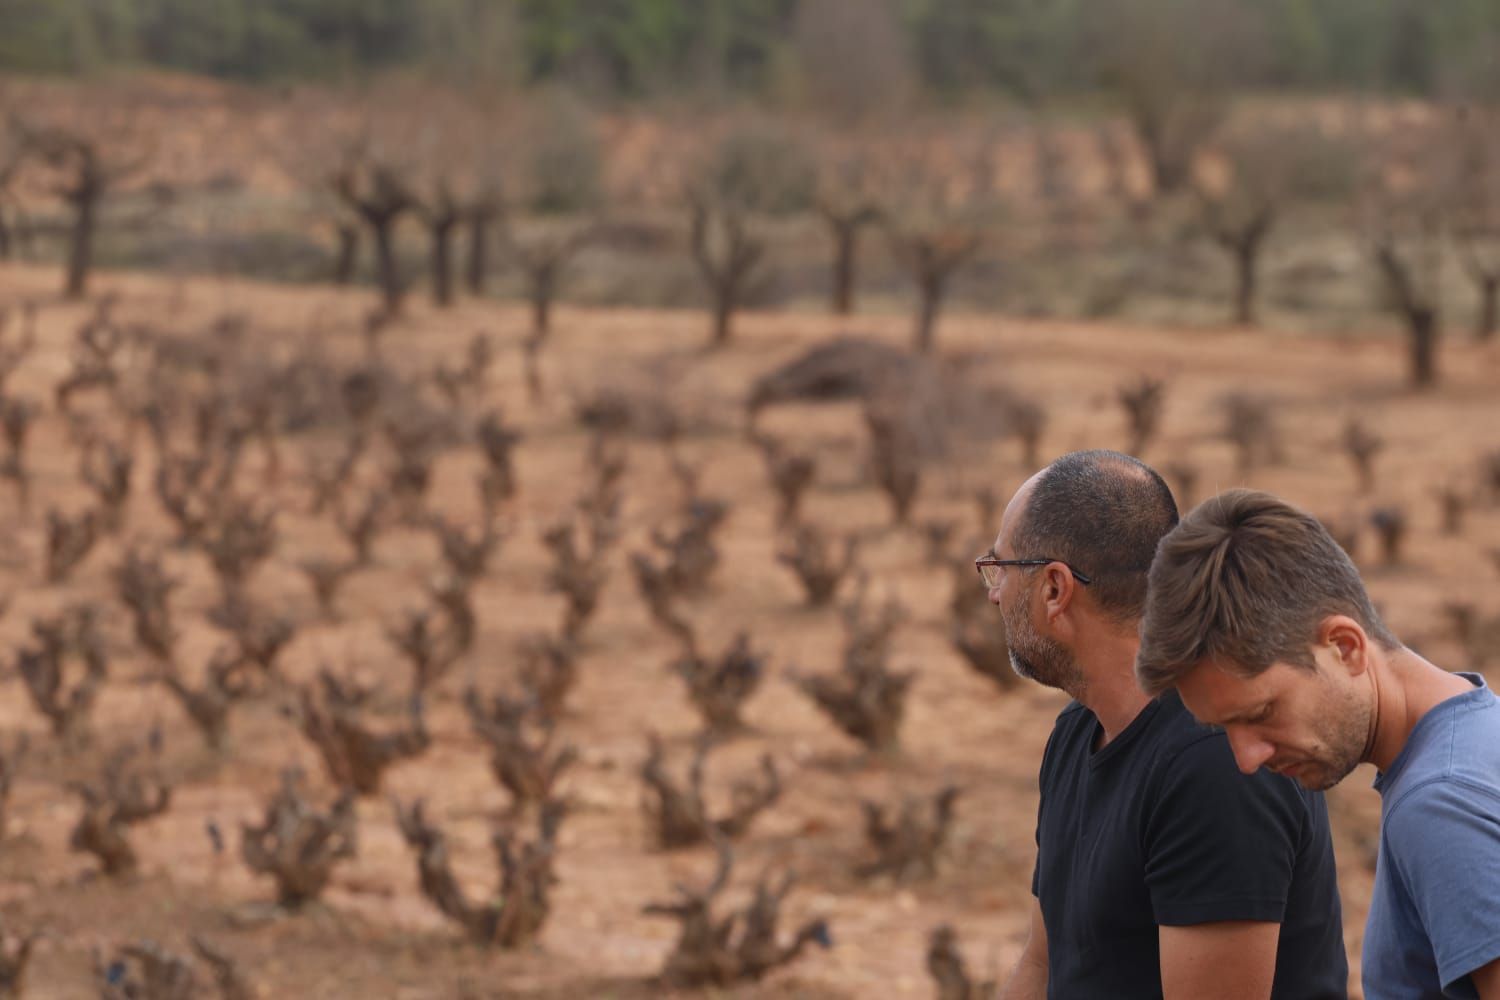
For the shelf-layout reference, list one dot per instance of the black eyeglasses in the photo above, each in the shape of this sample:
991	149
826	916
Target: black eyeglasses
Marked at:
989	567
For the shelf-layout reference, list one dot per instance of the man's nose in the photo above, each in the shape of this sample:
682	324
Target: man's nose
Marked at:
1250	751
993	593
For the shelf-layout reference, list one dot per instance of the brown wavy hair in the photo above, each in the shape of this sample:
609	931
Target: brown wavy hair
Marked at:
1245	579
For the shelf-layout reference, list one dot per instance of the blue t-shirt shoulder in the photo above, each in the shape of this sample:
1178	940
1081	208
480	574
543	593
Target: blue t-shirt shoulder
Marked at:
1435	907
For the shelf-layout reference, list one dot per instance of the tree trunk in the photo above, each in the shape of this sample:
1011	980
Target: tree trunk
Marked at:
81	245
388	273
348	254
845	244
1166	172
442	259
1422	328
931	300
724	296
1246	257
543	289
479	241
22	232
1489	308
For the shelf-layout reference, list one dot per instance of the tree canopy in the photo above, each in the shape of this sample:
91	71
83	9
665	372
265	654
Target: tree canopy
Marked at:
756	48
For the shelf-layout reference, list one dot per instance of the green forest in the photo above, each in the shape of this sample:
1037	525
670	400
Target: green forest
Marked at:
642	49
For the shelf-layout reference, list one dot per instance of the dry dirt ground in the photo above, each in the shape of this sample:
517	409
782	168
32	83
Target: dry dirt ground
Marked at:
374	935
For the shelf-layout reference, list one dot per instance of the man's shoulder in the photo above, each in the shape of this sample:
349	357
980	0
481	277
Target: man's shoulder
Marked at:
1441	799
1180	741
1198	760
1456	745
1067	730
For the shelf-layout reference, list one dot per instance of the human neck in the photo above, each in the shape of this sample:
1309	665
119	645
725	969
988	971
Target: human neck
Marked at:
1107	664
1407	687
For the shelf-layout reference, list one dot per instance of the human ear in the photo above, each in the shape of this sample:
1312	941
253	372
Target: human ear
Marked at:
1348	642
1057	589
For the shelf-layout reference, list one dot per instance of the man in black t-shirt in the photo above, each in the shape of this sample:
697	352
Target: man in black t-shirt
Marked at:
1156	875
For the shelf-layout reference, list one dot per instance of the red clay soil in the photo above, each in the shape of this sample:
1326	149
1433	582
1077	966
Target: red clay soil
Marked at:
374	935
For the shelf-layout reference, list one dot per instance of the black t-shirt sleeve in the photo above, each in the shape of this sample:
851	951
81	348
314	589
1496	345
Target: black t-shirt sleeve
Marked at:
1041	782
1218	844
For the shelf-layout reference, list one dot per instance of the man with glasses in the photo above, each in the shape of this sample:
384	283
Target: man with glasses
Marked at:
1155	875
1260	622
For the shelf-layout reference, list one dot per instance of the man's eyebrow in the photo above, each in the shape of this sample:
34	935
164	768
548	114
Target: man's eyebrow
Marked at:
1242	715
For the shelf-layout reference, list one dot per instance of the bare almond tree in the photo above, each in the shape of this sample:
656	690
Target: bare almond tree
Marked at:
728	254
1403	203
847	201
88	149
555	201
316	144
12	153
457	172
485	210
1267	170
932	252
438	206
753	172
360	152
1476	212
934	226
376	192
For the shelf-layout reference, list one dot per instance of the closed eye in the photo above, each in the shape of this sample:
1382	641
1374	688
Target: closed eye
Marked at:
1261	714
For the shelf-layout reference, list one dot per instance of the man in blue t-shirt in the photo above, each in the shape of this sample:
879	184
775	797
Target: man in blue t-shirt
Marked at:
1156	876
1260	623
